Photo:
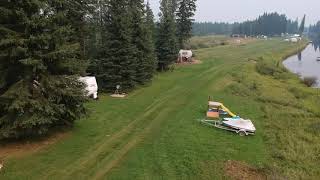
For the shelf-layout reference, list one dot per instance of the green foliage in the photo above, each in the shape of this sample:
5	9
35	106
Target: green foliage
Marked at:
142	38
267	24
309	81
209	28
199	42
34	109
116	61
166	45
314	32
184	14
267	68
301	28
124	44
40	48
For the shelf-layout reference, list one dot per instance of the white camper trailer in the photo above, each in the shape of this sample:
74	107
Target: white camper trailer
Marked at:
185	55
91	86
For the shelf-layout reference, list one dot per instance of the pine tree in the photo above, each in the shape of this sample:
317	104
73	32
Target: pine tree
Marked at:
301	28
166	40
40	59
95	24
150	21
185	13
150	42
117	62
142	40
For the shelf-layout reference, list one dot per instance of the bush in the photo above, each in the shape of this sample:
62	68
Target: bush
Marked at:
298	93
223	43
203	45
194	46
309	81
266	68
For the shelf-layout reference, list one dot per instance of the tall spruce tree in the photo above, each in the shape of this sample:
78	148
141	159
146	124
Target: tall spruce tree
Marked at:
150	21
142	40
301	28
40	57
150	42
186	10
117	62
166	39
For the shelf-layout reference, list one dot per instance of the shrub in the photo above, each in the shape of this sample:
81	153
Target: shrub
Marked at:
33	111
203	45
266	68
194	46
223	43
309	81
298	93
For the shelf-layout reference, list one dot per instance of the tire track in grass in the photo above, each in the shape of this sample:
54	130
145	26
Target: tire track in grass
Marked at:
120	155
91	158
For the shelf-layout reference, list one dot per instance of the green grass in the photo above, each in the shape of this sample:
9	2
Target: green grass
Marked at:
154	133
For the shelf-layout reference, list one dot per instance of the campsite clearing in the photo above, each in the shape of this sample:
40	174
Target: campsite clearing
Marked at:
153	132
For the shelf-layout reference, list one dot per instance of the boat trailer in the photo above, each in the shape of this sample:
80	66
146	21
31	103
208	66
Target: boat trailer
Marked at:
218	124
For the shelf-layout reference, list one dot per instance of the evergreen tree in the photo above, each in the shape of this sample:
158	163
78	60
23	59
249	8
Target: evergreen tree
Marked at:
314	33
95	24
150	21
185	13
116	61
40	59
268	24
301	28
142	40
150	41
166	40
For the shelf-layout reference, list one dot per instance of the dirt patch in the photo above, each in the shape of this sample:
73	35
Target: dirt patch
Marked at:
26	147
240	171
118	95
194	61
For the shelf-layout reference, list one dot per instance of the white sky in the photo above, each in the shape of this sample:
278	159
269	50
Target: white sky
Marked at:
240	10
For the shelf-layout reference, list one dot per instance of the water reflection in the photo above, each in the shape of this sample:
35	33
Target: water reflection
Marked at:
299	56
316	45
305	63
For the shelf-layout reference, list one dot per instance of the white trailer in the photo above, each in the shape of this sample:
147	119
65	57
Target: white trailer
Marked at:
91	86
185	55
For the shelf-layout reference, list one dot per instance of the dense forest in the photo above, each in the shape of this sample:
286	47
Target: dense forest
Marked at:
46	46
266	24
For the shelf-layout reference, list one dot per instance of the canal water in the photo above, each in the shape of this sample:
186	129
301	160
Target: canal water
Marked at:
305	63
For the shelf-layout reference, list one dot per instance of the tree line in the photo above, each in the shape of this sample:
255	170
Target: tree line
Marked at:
211	28
46	45
314	32
267	24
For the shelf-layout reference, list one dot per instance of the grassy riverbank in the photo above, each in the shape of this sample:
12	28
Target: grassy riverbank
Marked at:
153	134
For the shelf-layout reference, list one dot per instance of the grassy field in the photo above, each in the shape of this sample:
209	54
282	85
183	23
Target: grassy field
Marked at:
154	133
201	42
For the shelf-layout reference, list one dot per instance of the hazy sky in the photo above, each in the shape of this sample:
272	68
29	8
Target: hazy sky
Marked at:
240	10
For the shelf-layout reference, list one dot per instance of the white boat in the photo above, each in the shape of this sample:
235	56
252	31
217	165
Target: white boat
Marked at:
239	124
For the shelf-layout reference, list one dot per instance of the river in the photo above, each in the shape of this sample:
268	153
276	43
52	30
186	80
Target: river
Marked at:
305	63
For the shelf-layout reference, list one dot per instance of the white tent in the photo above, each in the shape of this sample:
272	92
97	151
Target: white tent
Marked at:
91	86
